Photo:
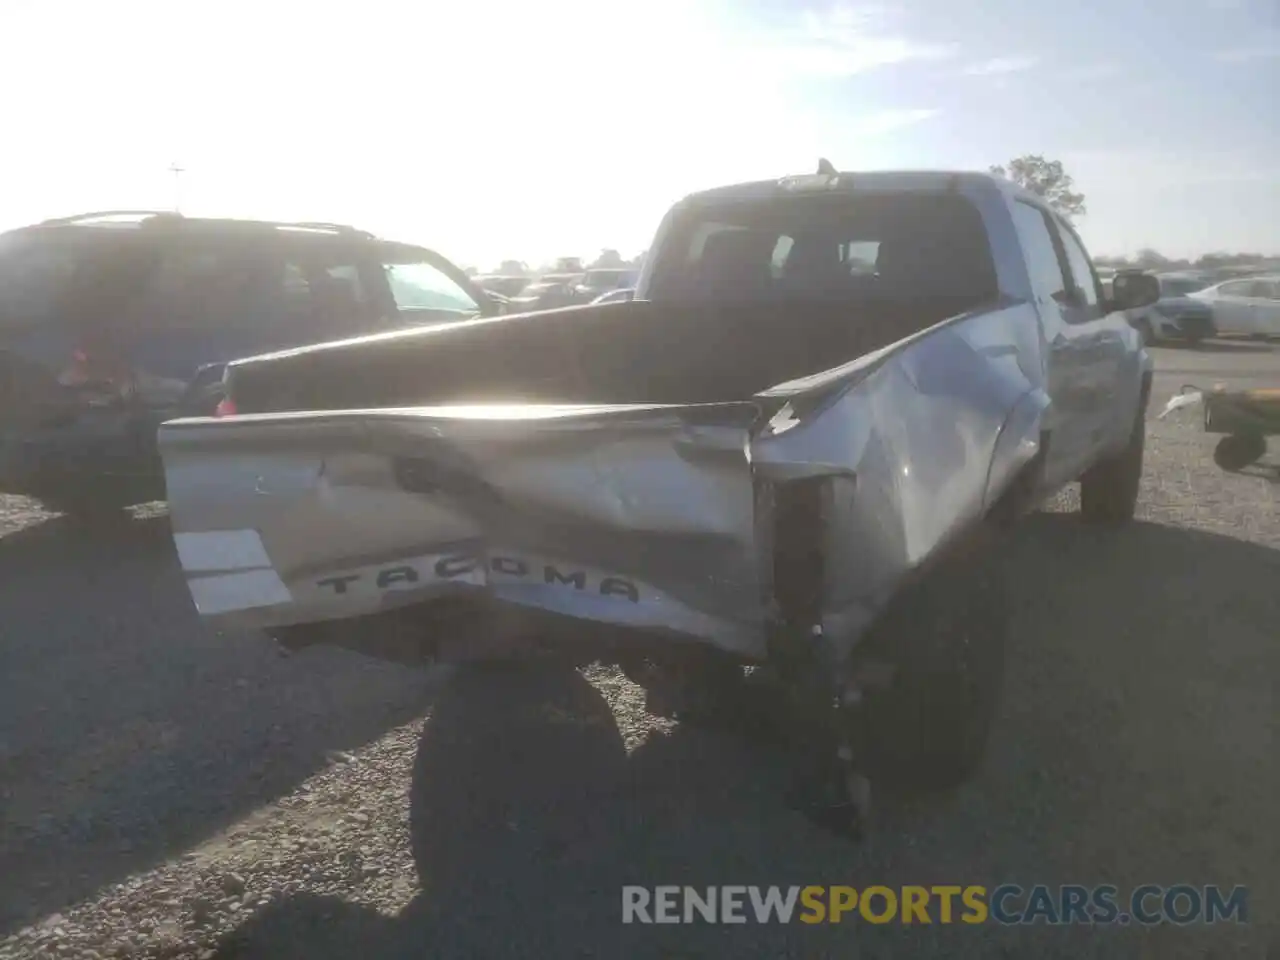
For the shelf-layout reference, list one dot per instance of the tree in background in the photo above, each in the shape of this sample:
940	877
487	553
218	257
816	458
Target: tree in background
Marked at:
1047	179
608	258
513	268
1149	259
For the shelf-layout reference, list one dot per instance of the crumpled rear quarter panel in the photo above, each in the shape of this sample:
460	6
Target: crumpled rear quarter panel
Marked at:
911	454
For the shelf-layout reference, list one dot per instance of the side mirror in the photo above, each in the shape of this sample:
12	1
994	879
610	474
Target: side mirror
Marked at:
1131	291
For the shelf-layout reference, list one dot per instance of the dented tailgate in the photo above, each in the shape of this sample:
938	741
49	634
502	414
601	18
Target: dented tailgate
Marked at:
639	516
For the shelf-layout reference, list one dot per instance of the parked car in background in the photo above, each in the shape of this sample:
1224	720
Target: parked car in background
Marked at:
543	295
111	323
501	304
616	296
603	280
1250	306
1176	315
508	285
566	279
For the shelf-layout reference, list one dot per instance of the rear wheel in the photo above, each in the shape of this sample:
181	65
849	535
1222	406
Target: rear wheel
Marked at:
1237	451
1109	489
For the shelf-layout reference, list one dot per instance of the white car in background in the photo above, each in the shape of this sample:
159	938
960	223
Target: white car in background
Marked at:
1250	305
1176	315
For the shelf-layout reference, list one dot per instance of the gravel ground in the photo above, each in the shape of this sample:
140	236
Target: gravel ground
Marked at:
168	793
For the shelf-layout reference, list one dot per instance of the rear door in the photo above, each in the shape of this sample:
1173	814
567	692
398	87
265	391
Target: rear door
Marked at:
1071	343
1104	337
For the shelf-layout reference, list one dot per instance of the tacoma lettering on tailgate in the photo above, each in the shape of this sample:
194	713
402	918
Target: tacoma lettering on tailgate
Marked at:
452	567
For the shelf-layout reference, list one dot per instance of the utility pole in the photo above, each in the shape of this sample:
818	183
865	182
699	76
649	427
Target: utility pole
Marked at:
177	172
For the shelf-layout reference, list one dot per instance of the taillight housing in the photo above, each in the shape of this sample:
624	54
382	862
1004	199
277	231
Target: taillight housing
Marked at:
226	408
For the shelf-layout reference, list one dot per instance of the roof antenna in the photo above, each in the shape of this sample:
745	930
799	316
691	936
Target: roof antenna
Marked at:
825	168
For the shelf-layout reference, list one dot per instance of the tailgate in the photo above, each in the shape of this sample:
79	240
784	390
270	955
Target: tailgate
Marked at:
633	515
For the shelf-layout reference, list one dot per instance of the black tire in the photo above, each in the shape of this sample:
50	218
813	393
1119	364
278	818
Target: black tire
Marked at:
1237	451
945	639
1109	489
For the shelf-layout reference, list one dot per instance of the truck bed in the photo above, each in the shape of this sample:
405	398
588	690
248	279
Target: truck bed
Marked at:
636	352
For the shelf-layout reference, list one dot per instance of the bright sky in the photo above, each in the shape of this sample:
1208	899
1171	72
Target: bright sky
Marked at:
495	128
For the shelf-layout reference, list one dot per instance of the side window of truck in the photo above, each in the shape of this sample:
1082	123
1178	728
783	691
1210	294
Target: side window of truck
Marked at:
1082	272
1044	262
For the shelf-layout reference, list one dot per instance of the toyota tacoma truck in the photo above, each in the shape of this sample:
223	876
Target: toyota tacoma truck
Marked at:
797	448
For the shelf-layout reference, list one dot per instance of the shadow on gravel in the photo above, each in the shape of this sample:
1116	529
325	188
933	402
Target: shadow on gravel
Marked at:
1137	717
128	732
1268	469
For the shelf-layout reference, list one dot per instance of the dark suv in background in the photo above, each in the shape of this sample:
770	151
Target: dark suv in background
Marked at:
598	282
111	323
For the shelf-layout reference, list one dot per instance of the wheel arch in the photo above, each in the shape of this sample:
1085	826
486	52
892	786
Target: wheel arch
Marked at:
1016	469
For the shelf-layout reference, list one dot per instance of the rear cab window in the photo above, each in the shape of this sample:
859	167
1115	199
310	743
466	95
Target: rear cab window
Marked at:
906	246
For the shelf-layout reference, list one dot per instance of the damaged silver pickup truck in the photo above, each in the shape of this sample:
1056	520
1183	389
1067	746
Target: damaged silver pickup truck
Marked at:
796	447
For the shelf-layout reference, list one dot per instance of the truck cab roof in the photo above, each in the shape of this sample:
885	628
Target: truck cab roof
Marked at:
854	180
